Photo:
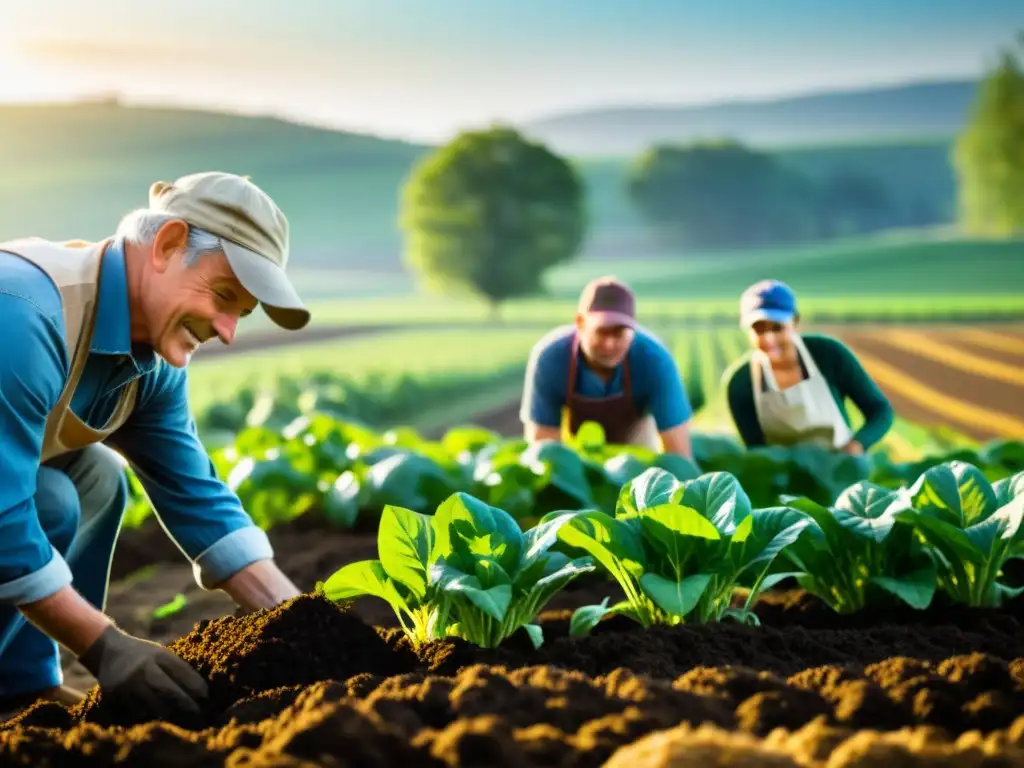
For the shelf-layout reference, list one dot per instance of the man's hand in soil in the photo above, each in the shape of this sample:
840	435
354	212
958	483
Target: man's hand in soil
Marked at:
144	676
260	585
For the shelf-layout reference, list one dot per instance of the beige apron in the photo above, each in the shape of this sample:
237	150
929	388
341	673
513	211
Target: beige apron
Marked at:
74	267
803	413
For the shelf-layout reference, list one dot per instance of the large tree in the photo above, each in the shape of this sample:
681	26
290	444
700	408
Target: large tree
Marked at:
989	153
490	212
722	194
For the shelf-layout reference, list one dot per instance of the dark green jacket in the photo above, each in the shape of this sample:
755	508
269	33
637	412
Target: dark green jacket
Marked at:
846	378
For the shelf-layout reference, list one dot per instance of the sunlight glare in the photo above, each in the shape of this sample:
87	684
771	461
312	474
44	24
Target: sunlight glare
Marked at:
25	80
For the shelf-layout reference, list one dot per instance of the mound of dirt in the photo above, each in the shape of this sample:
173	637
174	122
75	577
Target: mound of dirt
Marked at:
309	683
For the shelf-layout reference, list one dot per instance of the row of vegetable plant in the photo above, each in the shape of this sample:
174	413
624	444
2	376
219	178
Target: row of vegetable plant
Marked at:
347	472
682	550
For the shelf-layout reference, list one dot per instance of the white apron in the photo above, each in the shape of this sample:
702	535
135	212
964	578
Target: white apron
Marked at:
803	413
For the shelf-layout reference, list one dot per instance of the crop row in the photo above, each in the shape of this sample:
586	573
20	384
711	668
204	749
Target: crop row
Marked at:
373	398
347	472
682	551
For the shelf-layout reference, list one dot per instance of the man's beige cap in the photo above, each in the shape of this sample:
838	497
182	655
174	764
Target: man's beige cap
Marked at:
254	233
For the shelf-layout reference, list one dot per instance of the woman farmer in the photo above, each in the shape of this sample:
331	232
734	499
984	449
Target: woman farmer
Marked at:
792	388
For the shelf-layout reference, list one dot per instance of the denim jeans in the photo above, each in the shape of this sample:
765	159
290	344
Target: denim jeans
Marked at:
81	499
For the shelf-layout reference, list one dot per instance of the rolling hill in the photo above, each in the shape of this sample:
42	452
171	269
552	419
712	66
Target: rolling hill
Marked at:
71	171
74	170
890	113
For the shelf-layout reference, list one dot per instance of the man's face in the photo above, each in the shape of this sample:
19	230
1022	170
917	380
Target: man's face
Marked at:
187	305
604	346
774	339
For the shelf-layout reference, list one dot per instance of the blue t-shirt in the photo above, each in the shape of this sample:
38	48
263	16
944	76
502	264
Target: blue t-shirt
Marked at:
655	383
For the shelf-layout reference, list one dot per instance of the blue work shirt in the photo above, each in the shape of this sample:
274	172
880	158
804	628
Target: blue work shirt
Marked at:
655	383
159	440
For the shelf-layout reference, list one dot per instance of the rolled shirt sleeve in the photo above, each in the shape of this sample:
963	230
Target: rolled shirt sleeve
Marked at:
33	370
198	510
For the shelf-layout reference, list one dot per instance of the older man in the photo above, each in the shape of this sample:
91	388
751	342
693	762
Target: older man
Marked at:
99	336
608	370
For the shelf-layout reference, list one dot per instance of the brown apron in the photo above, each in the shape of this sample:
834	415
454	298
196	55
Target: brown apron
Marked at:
623	424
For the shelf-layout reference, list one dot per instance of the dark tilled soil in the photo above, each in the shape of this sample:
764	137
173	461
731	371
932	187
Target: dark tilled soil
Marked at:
310	683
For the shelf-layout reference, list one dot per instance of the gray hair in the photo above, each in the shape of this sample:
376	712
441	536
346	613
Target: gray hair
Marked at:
141	226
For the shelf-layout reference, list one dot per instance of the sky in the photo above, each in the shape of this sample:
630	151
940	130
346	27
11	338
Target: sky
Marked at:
424	70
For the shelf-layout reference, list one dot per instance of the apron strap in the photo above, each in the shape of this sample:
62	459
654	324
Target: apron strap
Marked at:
761	367
574	354
627	381
812	367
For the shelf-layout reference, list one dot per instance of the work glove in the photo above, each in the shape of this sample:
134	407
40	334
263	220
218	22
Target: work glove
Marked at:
144	678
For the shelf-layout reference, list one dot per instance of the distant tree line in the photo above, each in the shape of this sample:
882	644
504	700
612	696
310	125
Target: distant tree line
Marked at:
722	194
490	212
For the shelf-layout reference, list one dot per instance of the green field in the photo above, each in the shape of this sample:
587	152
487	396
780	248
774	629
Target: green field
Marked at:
458	374
72	171
898	277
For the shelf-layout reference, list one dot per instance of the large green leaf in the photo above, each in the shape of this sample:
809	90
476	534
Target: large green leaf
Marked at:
405	542
667	524
676	539
614	543
549	585
955	492
408	480
343	499
651	488
676	598
1010	516
821	473
538	540
494	601
832	534
366	577
1008	488
468	526
867	510
773	529
567	470
952	541
916	589
717	496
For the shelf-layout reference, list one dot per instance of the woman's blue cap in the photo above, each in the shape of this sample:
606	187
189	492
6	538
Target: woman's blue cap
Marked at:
770	300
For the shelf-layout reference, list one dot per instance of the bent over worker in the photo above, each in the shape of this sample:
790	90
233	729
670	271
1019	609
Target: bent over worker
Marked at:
609	370
100	334
792	387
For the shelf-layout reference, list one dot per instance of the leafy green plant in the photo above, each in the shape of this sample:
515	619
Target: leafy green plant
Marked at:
406	547
680	549
971	528
466	571
497	577
302	452
856	554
